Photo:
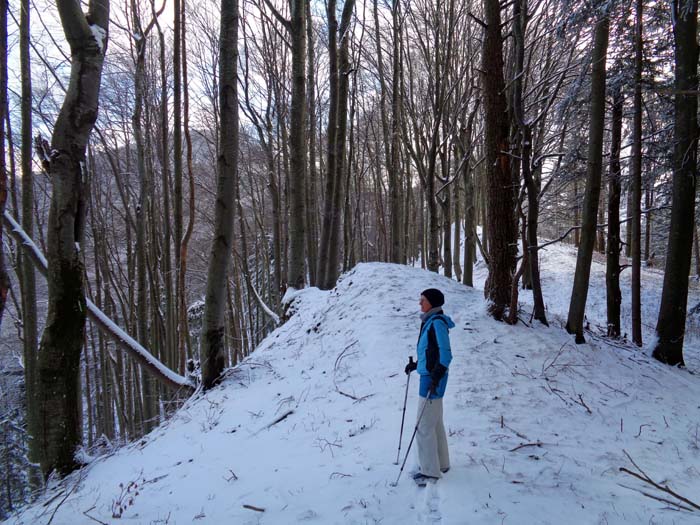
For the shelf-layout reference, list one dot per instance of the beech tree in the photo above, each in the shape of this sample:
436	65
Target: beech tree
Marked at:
58	387
213	342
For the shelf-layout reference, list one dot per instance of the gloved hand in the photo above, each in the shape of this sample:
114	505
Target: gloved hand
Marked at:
411	366
436	376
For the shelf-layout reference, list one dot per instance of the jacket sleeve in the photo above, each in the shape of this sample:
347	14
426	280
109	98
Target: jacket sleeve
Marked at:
443	340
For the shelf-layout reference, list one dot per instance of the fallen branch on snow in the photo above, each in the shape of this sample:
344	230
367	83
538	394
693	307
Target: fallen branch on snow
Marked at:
663	488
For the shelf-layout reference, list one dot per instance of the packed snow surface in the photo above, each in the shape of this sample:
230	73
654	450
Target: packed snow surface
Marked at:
307	428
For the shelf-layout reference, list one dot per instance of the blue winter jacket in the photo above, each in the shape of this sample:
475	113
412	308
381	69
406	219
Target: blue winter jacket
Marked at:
434	353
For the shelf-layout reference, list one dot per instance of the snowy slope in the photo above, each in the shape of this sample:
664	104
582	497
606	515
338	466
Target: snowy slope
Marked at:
337	366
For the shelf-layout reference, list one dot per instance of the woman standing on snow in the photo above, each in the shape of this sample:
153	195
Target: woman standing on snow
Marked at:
434	356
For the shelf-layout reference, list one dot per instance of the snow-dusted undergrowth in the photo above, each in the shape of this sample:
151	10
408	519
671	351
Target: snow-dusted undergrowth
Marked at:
306	429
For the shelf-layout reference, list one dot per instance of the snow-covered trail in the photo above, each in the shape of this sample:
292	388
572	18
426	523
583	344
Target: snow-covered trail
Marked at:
306	429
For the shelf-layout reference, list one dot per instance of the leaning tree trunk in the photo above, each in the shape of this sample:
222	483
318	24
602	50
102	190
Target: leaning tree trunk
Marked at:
612	270
59	356
213	341
501	222
579	293
670	328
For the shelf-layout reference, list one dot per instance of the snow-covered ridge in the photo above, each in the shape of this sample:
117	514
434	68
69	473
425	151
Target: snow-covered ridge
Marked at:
306	429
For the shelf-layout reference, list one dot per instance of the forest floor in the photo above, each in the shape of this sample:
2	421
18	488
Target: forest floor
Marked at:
307	428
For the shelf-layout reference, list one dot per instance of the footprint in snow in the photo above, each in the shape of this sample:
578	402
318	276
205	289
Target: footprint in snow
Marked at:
429	504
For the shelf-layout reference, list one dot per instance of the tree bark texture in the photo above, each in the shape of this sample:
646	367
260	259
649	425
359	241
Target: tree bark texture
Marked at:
213	341
59	399
579	293
501	222
670	327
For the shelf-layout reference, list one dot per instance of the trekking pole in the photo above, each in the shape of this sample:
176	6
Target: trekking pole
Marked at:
405	397
415	430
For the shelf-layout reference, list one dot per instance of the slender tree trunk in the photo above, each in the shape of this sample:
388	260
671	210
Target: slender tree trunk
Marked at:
648	219
337	126
330	144
171	338
577	215
62	341
670	328
636	182
213	343
458	230
470	212
697	252
312	181
145	195
184	244
600	241
398	249
28	281
579	293
297	147
520	25
341	167
182	327
4	277
612	270
501	223
628	226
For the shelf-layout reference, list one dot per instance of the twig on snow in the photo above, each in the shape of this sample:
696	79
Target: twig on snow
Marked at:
664	488
640	429
75	486
657	498
538	443
583	403
85	513
281	418
253	507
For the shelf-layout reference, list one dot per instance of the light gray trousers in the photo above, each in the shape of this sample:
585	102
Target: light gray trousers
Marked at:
431	439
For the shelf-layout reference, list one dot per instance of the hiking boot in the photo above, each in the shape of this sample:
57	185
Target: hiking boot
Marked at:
445	470
422	480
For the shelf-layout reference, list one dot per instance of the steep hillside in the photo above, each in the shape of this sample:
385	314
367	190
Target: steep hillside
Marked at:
307	428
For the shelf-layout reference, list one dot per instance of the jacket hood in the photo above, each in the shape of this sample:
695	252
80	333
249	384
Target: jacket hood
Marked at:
430	315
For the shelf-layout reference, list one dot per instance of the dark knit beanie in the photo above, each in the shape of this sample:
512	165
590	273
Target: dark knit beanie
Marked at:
434	297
